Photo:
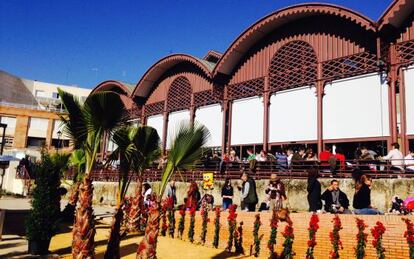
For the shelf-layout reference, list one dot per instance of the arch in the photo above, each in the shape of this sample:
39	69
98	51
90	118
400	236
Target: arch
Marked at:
293	65
148	81
264	26
179	94
115	86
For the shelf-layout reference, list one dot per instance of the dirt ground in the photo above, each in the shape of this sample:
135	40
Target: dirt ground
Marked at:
167	247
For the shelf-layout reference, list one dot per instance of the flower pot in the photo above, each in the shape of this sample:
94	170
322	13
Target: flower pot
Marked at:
39	247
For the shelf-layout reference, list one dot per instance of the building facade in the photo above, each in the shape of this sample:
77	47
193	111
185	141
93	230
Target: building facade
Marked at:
310	74
30	110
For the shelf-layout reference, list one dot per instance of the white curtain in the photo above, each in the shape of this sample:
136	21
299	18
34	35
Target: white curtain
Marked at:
293	115
356	107
247	121
174	120
211	117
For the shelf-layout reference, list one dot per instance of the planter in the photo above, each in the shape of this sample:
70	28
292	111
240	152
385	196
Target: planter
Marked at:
39	247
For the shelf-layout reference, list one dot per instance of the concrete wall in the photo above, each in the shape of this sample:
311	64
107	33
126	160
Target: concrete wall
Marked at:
382	191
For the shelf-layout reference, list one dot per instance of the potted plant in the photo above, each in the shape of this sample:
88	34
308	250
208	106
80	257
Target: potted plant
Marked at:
42	222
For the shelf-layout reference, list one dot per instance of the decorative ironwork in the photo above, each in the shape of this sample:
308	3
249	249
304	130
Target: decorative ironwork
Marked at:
207	97
246	89
154	108
353	65
405	52
179	94
293	65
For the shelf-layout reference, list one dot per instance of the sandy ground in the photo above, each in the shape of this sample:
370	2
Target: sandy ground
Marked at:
167	247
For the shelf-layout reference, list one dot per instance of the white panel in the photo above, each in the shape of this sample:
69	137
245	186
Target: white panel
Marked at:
58	126
212	118
11	125
293	115
157	122
409	99
247	121
356	107
111	146
38	127
174	120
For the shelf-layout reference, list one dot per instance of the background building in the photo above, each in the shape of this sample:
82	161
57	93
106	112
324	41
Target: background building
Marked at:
309	74
30	109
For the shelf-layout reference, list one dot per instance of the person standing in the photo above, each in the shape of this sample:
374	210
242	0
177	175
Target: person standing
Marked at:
193	196
172	190
227	194
336	200
276	192
249	194
314	191
147	194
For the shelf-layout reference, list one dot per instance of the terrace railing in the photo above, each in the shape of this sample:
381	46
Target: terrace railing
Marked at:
263	170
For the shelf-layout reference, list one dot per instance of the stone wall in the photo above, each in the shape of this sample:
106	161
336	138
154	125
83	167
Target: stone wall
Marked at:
382	191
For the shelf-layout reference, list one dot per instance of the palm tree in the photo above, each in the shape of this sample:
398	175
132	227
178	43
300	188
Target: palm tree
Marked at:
185	151
77	161
135	148
85	125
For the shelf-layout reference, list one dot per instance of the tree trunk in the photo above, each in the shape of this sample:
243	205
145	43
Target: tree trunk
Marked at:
136	209
84	226
112	249
68	212
147	249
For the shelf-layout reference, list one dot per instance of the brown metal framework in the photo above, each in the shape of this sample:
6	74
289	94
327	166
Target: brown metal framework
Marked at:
179	95
293	65
278	52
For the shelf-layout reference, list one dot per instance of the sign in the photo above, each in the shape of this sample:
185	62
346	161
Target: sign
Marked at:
208	180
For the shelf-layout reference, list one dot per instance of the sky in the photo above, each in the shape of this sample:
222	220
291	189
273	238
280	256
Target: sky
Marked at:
85	42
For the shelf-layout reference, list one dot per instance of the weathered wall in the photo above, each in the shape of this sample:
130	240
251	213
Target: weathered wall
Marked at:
382	191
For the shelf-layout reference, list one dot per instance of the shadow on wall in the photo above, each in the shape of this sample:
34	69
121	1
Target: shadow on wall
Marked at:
16	90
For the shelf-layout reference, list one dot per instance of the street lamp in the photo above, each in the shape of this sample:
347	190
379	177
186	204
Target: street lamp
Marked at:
59	134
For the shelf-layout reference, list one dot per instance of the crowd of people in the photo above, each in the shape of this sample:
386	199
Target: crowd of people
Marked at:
329	159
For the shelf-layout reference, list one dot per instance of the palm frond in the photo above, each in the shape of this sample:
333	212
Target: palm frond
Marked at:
74	124
104	112
147	143
185	151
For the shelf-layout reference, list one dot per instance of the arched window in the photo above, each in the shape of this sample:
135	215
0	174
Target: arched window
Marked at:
293	65
179	94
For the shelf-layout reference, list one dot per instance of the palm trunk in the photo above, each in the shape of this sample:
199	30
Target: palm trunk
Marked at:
147	249
84	226
112	250
68	212
136	208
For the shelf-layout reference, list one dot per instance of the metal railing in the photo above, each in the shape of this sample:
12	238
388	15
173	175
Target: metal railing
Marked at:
263	170
32	106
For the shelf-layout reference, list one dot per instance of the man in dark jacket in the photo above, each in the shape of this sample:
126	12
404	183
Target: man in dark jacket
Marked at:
336	200
249	194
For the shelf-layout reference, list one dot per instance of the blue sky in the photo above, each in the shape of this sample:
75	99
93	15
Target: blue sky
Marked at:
84	42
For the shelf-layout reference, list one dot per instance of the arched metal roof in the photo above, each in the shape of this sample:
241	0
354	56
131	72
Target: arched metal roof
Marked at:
146	83
261	28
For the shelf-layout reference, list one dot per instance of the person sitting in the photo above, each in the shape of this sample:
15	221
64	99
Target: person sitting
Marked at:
339	155
215	160
336	200
281	160
298	158
310	155
262	157
276	193
233	157
325	155
251	159
396	157
362	197
289	153
409	162
209	200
